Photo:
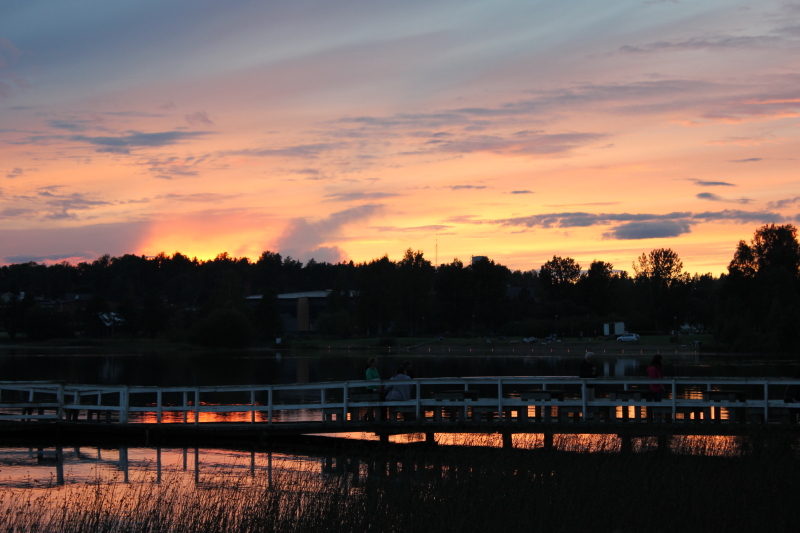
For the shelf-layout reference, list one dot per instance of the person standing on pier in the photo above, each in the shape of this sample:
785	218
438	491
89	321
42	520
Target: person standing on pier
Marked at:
656	371
588	370
373	374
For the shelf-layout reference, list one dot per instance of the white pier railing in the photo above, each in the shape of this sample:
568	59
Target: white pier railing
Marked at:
508	398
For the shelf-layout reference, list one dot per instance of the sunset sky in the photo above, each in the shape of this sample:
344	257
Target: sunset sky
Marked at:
346	130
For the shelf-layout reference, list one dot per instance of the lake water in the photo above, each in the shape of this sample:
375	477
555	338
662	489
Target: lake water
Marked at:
267	367
72	478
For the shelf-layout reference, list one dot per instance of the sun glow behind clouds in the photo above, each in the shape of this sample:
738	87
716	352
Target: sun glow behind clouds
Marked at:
347	131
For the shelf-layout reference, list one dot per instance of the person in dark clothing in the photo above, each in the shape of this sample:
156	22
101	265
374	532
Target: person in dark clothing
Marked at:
792	395
656	371
409	371
792	392
588	370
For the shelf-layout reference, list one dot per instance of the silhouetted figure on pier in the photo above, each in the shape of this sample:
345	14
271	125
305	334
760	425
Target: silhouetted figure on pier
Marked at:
400	393
409	371
588	370
656	371
792	392
373	374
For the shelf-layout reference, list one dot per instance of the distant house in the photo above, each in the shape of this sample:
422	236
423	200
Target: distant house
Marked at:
299	310
71	302
614	328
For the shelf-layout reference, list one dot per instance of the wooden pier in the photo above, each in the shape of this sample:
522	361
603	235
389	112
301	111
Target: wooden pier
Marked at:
506	405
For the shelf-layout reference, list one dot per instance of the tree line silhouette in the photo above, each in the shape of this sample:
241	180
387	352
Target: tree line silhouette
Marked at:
754	306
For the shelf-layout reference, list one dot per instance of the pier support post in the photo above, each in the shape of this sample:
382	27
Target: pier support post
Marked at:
430	438
384	438
548	441
663	443
627	443
508	442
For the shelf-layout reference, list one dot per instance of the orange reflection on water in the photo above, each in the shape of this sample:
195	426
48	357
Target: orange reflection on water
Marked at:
707	445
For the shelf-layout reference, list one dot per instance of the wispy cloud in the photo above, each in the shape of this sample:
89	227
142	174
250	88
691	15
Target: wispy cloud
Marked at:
70	125
786	202
10	56
301	150
522	192
173	167
124	143
358	196
750	160
582	219
713	183
199	117
529	144
16	212
717	198
414	229
304	238
465	187
65	203
15	173
740	217
649	230
207	197
721	42
632	225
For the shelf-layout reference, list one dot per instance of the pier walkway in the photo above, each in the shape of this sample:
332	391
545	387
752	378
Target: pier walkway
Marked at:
506	405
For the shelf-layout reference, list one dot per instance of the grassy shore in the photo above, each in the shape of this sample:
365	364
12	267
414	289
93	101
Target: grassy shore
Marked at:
698	485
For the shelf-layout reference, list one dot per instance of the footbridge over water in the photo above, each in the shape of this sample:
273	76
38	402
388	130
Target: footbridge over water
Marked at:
506	405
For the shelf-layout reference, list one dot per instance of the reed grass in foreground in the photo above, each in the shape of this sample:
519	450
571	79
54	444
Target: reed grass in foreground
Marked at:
701	485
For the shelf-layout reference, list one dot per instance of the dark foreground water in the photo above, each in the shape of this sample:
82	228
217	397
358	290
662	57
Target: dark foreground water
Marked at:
584	484
467	483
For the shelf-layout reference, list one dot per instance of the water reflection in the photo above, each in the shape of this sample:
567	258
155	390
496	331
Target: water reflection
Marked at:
254	367
44	467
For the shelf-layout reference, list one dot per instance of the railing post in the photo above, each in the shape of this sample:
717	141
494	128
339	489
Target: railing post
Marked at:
766	401
419	397
158	406
269	406
30	400
252	407
499	400
345	397
197	407
675	402
124	401
60	400
322	402
185	406
583	397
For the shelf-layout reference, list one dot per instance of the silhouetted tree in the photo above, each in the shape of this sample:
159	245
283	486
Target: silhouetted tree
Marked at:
661	280
559	275
759	297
